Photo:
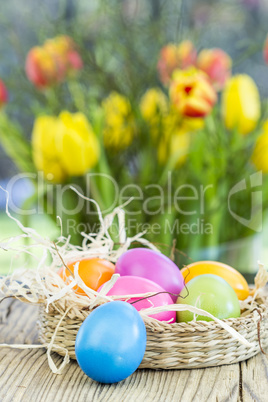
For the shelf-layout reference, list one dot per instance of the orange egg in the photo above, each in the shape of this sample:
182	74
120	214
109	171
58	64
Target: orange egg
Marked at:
231	275
94	272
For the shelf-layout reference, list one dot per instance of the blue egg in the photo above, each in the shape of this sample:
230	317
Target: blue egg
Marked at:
111	342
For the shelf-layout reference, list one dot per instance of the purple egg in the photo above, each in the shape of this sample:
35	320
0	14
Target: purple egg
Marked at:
152	265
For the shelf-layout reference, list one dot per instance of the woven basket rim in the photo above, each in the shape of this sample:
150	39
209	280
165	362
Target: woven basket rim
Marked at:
262	307
196	344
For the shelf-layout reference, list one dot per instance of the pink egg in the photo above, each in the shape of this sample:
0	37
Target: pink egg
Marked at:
151	265
129	285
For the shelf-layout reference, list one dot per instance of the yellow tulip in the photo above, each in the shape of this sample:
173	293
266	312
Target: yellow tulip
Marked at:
45	153
260	152
174	145
153	103
64	146
119	125
241	106
77	144
175	140
193	124
153	107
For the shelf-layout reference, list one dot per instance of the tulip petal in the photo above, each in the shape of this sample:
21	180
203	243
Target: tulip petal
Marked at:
241	106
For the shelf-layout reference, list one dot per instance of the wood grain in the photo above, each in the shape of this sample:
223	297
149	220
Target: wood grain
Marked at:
255	379
25	375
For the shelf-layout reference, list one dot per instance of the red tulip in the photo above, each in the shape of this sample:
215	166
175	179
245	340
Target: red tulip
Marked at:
3	94
75	61
191	93
265	51
217	65
174	57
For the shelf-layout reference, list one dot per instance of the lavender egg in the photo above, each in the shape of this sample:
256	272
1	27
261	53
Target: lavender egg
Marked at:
151	265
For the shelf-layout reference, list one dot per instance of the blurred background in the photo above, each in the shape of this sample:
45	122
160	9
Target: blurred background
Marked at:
119	43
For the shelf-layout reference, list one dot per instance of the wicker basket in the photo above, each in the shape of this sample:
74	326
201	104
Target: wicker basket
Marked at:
170	346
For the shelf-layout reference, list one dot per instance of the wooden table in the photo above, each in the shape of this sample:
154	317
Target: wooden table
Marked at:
25	375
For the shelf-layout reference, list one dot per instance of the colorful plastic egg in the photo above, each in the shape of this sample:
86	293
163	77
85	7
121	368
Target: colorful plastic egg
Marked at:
212	294
93	271
229	274
151	265
129	285
111	342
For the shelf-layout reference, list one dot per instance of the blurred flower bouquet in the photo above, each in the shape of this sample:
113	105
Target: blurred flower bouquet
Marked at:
186	154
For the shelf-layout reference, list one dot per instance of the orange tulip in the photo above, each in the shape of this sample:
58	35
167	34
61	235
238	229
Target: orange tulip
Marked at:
191	93
265	51
3	94
63	49
217	65
173	57
49	64
42	69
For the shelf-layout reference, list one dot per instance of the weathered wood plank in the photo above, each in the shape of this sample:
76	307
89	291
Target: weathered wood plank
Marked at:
25	375
255	379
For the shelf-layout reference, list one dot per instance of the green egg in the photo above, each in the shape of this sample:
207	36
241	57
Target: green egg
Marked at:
210	293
